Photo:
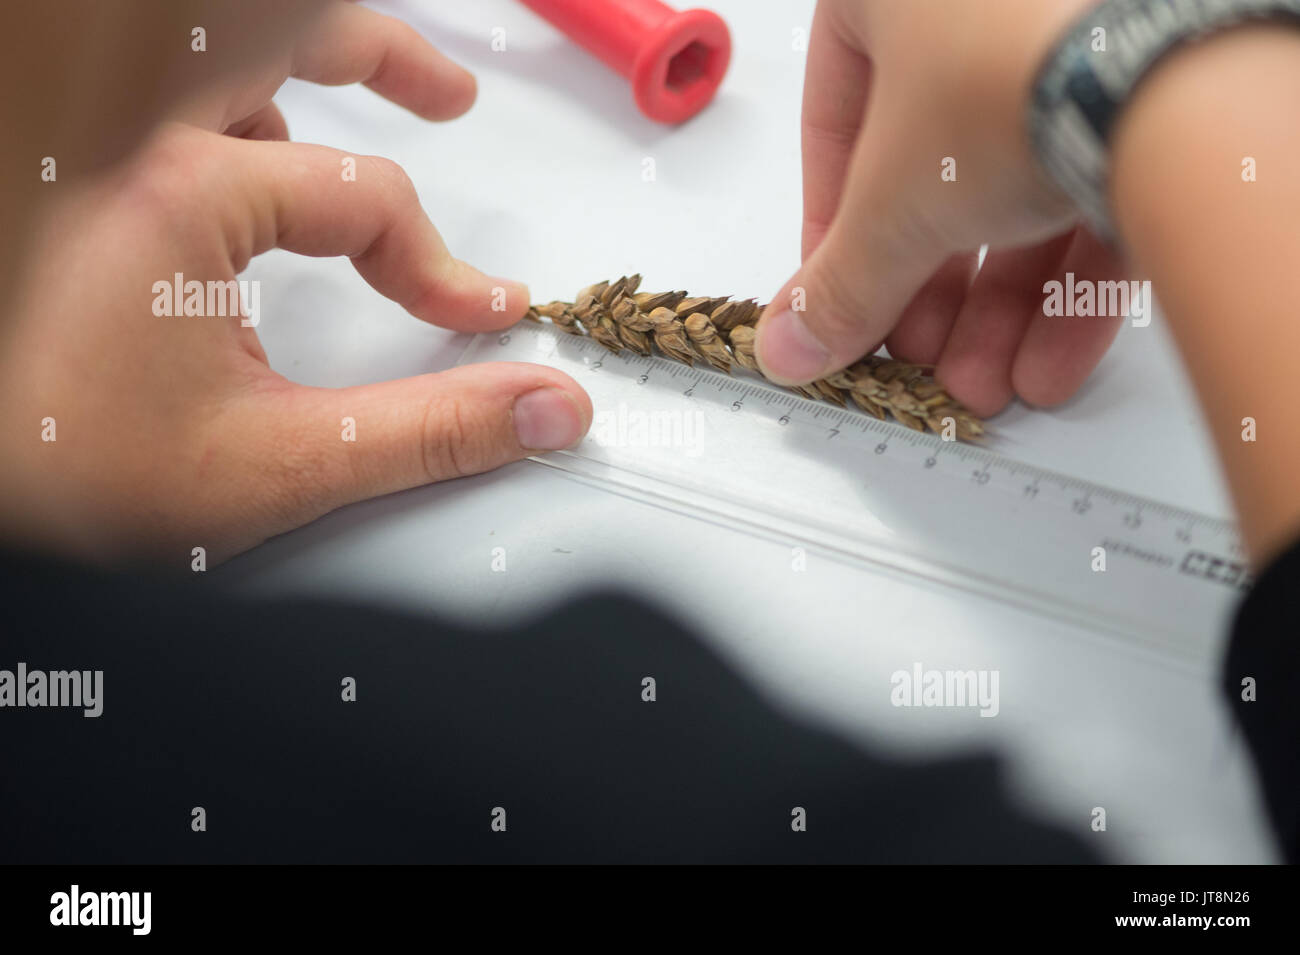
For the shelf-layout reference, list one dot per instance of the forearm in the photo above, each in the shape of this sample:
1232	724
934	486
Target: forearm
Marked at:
1223	252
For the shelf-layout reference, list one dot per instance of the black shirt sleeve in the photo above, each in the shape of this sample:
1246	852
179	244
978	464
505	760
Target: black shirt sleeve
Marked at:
1261	678
237	707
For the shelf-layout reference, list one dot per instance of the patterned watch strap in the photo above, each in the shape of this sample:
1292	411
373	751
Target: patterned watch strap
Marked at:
1091	74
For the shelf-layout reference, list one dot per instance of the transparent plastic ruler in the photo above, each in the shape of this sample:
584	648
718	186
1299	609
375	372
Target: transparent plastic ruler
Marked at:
738	451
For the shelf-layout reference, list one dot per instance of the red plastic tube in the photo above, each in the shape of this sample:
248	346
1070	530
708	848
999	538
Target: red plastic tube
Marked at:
675	60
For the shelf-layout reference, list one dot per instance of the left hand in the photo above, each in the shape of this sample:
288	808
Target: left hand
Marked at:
172	432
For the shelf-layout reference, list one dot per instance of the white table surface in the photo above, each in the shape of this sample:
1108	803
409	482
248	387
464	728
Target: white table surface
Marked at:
543	181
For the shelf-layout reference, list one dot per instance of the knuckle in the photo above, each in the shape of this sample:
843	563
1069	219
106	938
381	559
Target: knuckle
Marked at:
392	179
838	306
457	440
824	135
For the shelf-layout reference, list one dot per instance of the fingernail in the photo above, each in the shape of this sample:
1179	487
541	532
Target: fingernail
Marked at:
546	420
787	351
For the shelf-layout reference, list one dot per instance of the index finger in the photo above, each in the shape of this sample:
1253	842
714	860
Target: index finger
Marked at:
837	83
353	44
294	196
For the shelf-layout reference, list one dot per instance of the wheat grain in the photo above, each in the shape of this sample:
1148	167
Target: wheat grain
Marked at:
721	332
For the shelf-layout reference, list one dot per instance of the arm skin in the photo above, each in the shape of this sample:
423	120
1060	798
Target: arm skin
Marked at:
1223	254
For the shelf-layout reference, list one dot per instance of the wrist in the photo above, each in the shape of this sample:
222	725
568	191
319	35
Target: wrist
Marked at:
1205	200
1195	121
1092	75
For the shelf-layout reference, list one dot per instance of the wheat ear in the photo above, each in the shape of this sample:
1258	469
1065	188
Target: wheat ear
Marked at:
720	332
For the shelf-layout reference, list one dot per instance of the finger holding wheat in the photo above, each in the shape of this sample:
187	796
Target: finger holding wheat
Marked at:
720	332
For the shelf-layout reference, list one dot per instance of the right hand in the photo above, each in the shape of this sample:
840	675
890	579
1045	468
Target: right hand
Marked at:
892	90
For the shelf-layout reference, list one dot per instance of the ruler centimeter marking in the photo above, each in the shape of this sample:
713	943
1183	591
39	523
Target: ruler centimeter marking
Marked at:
1170	572
588	348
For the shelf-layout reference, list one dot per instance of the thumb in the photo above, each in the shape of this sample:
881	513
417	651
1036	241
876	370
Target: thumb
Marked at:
323	448
852	289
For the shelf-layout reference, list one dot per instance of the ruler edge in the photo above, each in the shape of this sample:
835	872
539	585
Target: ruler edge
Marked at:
986	454
1076	615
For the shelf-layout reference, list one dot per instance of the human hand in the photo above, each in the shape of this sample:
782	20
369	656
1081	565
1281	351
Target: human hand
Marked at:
889	246
171	433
